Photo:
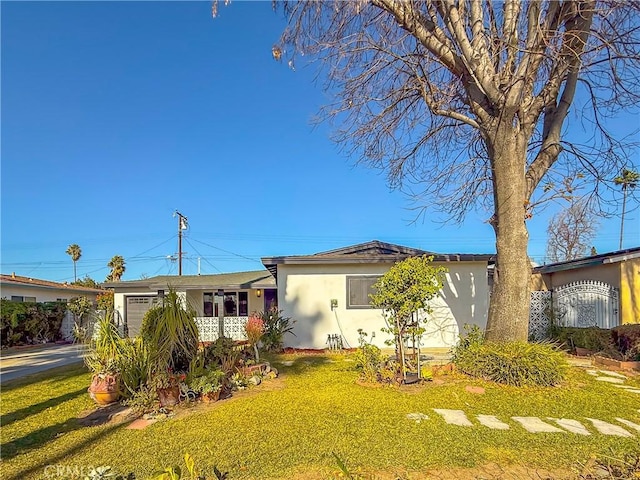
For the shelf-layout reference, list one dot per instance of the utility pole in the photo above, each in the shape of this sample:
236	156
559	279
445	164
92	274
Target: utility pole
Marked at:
182	225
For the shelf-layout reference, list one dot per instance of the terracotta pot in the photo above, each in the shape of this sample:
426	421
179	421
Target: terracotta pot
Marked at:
211	397
169	396
105	389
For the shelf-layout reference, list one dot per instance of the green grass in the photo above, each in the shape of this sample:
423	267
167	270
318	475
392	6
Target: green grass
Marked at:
290	427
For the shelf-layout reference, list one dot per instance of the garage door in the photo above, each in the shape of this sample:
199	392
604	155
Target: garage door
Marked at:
136	308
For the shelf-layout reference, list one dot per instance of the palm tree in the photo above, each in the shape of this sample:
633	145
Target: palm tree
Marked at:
629	180
116	264
75	252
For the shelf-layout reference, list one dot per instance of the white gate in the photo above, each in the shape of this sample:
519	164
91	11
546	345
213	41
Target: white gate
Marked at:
586	303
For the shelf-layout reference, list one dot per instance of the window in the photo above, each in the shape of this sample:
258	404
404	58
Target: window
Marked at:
243	309
61	300
20	298
358	290
210	306
230	304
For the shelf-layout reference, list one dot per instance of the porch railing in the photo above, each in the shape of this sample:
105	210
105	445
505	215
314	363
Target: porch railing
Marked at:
210	328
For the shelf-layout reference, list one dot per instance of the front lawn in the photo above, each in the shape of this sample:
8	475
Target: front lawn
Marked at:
289	427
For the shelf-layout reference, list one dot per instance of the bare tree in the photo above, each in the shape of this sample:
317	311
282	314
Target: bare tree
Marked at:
570	232
465	104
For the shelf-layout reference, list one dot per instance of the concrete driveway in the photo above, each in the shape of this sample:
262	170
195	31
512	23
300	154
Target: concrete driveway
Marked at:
22	362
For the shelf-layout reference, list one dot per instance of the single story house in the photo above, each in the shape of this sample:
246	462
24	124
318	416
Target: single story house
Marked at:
26	289
232	296
327	294
602	290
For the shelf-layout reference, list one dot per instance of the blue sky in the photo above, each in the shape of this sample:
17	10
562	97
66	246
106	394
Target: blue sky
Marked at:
115	114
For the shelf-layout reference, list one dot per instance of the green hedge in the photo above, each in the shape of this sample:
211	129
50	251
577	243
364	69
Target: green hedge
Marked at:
622	342
25	322
592	338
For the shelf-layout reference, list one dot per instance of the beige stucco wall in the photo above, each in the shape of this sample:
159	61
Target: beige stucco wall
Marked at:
630	291
305	293
604	273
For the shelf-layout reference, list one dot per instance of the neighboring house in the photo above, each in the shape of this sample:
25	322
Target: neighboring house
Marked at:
327	294
232	296
602	290
26	289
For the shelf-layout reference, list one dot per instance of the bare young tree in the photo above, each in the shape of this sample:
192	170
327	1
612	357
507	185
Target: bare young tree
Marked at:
570	232
465	104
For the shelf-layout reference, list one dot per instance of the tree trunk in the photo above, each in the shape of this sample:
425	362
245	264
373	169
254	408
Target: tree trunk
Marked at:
510	297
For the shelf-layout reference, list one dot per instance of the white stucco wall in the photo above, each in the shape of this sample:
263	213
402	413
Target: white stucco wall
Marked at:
305	293
42	294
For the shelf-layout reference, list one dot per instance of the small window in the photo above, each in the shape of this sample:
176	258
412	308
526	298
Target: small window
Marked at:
17	298
61	300
30	299
358	290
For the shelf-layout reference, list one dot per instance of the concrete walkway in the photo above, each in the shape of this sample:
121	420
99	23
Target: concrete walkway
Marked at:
19	363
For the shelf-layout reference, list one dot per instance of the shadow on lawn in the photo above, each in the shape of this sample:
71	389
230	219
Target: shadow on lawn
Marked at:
25	412
299	364
55	460
65	372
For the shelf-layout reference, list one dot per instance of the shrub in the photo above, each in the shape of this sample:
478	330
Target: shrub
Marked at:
275	328
512	363
626	340
22	323
592	338
368	360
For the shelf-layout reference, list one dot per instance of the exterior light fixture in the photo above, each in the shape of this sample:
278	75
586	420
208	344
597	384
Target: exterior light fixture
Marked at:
258	293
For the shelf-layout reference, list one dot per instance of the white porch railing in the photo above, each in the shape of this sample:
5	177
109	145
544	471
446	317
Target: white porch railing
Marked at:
232	327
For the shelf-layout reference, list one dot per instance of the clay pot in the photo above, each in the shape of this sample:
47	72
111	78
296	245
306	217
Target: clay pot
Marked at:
211	397
105	389
169	396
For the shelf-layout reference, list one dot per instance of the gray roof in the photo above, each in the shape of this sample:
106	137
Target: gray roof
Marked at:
370	252
237	280
603	258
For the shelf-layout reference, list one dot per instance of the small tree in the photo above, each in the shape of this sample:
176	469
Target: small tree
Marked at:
80	307
405	289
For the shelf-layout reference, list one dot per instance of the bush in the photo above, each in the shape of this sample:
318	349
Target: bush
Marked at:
510	363
626	340
22	323
275	328
592	338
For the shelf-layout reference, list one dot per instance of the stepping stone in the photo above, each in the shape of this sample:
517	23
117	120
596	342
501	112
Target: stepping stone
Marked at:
613	374
573	426
454	417
593	372
609	428
476	390
140	424
629	424
628	388
535	425
417	417
609	379
492	421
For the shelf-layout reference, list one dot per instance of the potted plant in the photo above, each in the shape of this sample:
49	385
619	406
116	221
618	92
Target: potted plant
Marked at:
209	385
103	360
167	386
